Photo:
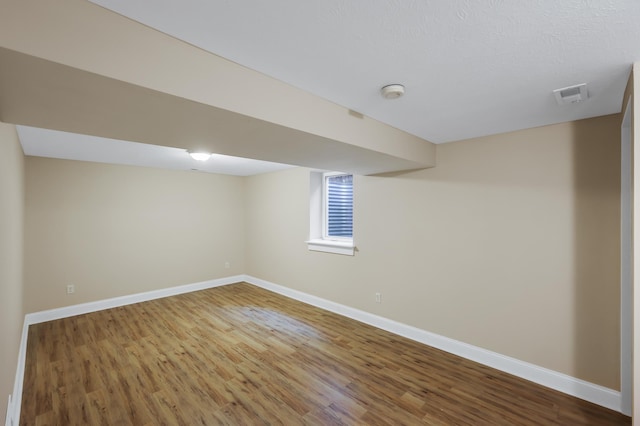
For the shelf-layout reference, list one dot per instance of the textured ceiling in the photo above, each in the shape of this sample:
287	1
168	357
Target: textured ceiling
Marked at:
471	68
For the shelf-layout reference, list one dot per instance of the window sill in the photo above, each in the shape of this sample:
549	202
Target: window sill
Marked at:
338	247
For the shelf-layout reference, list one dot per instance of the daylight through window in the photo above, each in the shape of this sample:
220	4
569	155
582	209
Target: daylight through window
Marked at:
338	206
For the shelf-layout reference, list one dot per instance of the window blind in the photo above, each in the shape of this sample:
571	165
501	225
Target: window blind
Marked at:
340	206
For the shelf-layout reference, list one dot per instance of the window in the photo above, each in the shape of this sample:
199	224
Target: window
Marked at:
338	206
331	208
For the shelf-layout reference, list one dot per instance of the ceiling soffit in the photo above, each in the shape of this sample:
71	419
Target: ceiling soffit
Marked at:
73	78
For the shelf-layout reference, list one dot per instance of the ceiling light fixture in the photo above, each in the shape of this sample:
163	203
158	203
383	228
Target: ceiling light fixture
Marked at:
200	156
392	91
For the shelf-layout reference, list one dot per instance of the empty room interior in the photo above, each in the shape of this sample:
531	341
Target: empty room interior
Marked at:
405	213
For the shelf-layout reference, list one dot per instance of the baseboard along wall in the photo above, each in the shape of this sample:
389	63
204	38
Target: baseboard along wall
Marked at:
552	379
15	402
582	389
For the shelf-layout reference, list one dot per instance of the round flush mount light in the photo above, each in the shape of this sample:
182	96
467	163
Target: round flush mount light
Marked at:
392	91
200	156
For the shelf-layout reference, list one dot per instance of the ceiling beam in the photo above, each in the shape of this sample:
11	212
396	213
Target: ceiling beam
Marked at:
73	66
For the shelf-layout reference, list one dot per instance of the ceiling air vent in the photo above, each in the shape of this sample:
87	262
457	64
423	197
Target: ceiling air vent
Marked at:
571	94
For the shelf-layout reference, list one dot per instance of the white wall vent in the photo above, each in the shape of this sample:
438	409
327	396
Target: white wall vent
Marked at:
571	94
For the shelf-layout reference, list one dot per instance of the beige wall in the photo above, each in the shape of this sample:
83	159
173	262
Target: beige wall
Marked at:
11	231
117	230
511	243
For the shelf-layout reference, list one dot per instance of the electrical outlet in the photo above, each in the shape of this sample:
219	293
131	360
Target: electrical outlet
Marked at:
378	297
227	264
71	289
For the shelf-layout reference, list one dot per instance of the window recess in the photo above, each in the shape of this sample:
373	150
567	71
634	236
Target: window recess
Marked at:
331	207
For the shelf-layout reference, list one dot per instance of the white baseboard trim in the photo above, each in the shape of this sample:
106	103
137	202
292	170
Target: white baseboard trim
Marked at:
83	308
8	420
15	402
561	382
552	379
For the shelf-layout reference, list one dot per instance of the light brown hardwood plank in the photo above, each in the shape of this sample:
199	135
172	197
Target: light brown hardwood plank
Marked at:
240	355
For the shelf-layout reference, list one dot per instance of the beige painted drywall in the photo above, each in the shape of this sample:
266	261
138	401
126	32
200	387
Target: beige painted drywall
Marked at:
11	230
511	244
117	230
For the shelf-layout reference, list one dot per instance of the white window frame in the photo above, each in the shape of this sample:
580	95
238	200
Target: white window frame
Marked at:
318	240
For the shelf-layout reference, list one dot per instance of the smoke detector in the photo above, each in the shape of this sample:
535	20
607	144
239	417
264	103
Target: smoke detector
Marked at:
571	94
392	91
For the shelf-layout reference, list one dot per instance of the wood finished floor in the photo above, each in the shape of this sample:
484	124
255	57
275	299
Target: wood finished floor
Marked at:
240	355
